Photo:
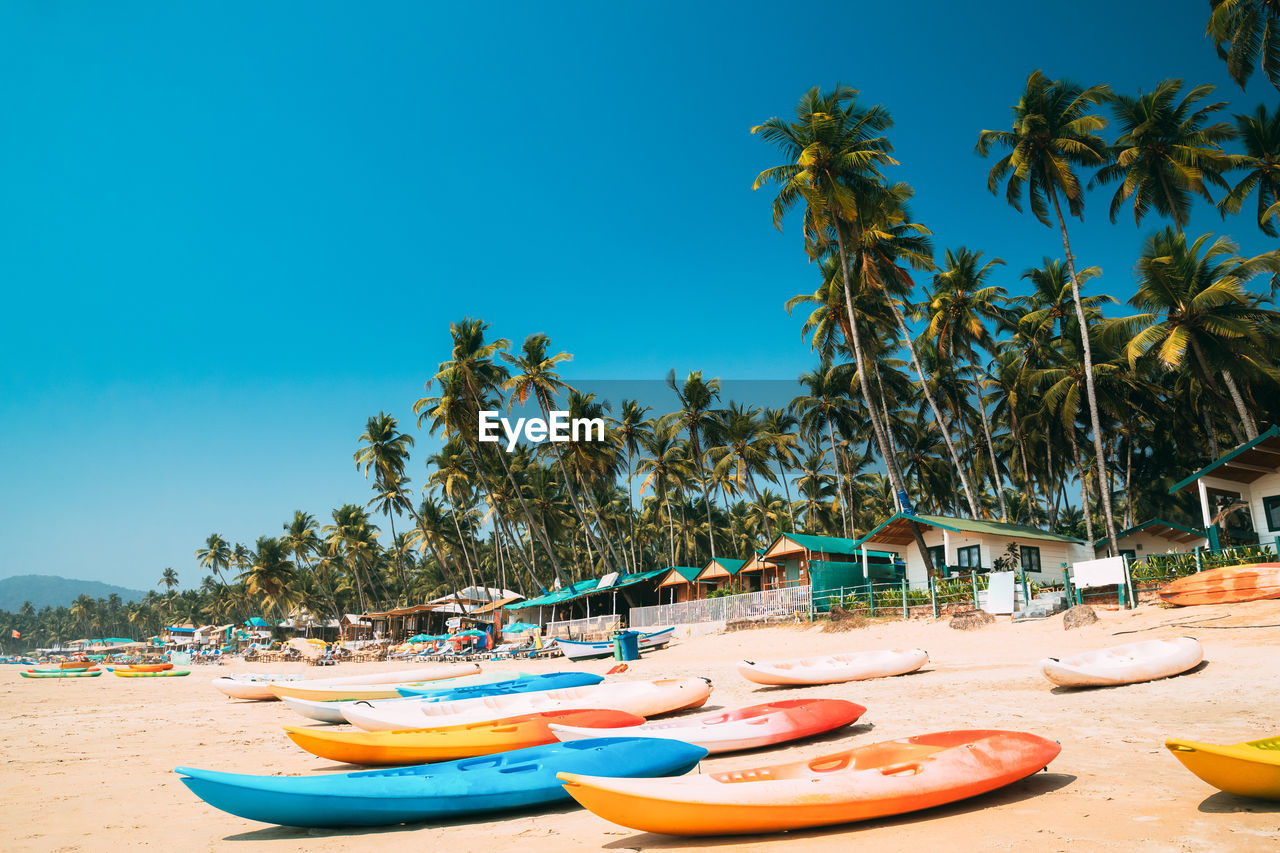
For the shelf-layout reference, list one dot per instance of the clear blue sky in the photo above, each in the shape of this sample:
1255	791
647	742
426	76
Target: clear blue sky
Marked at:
228	234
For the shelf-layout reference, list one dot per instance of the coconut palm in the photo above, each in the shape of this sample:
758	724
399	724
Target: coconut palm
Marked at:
215	555
385	451
1168	149
1247	33
743	452
1260	135
1054	131
630	429
700	422
272	574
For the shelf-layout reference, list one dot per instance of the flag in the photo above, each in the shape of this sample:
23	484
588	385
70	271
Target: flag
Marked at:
17	635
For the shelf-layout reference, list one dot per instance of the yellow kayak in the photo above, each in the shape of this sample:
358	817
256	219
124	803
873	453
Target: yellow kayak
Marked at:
1249	769
166	673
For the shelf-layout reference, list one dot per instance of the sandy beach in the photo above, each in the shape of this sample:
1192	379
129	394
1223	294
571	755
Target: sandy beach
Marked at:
88	763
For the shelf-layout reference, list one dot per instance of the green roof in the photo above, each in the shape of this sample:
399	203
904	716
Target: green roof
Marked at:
689	573
730	566
970	525
1195	531
1248	445
583	588
825	544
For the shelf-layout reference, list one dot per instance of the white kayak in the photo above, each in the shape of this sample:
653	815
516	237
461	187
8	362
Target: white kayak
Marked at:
642	698
250	685
833	669
330	710
1127	664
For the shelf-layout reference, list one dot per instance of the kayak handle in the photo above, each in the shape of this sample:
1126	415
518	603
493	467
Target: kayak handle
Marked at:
906	768
1177	747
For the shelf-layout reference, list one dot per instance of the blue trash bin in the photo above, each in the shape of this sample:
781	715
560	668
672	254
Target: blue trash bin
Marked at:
630	643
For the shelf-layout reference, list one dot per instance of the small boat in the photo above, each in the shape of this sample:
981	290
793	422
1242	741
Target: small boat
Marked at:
867	782
1227	585
319	688
65	666
1126	664
834	669
451	743
167	673
642	698
494	783
578	650
729	731
61	673
1249	769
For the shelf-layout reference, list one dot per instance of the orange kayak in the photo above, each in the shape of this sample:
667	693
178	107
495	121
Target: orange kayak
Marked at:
1227	585
449	743
867	782
143	667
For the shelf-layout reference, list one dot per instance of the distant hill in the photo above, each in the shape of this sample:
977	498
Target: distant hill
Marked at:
53	591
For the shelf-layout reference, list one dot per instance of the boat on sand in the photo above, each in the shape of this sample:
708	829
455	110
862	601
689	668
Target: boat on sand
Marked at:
1125	664
835	669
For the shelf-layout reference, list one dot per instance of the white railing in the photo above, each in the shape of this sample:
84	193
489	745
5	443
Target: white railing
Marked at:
772	602
594	627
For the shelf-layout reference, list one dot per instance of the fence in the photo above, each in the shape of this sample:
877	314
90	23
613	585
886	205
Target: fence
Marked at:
898	597
772	602
594	627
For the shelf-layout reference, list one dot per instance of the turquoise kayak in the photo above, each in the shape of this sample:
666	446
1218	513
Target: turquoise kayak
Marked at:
503	782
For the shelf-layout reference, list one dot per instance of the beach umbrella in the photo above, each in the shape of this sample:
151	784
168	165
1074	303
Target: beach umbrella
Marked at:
471	632
422	638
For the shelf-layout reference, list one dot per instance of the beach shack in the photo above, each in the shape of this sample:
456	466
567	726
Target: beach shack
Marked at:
679	584
825	562
611	595
962	545
1153	537
1247	477
179	635
720	573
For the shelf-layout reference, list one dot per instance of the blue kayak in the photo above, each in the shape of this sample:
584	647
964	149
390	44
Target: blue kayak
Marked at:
527	684
502	782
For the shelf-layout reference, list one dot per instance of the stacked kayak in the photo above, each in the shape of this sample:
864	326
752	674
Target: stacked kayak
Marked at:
509	780
140	667
333	711
449	743
642	698
1249	769
872	781
308	688
61	673
728	731
1126	664
834	669
167	673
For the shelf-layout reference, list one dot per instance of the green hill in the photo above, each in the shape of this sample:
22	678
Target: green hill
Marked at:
53	591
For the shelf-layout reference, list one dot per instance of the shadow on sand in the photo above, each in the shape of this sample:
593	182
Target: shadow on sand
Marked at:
1058	691
1224	803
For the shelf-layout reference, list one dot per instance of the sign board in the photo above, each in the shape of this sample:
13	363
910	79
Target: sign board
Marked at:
607	581
1105	572
1000	592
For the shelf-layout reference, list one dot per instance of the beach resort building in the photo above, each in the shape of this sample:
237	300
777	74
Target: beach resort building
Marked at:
1153	537
679	584
962	545
592	598
1248	477
720	573
826	562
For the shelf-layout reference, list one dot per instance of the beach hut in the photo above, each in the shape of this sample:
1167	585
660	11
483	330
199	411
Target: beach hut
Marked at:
720	573
792	557
758	573
1246	477
1153	537
679	583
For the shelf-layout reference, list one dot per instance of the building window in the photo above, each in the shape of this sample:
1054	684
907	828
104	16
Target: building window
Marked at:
938	555
1129	553
1271	509
969	557
1030	558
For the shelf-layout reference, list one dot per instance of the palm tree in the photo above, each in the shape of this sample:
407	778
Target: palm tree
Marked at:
272	574
1247	32
168	579
744	452
778	427
1260	134
960	308
630	429
1167	151
215	555
1196	301
821	408
665	467
696	416
386	451
1054	132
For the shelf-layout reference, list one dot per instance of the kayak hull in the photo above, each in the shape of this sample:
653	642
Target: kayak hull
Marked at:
1130	663
65	673
168	673
578	650
835	669
1250	769
1227	585
321	689
868	782
512	780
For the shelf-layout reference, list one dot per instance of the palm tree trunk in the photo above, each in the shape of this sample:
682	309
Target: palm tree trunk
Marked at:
891	464
997	481
1032	508
631	515
844	500
786	487
1087	349
706	494
1250	425
404	579
1210	432
893	444
1084	492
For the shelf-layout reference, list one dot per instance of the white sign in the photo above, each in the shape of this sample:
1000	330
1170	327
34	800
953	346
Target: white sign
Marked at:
1105	572
1000	593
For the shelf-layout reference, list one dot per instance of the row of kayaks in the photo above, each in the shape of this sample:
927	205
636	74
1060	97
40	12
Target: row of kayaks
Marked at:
150	671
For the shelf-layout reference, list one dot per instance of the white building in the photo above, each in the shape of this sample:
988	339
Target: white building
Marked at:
1153	537
1250	474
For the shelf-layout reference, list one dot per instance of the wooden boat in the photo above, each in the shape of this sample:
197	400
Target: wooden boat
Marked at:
1228	585
494	783
166	673
320	688
728	731
642	698
61	673
867	782
578	650
1249	769
450	743
834	669
1126	664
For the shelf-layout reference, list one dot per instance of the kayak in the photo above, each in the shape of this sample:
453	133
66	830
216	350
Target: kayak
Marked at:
332	711
434	672
69	666
168	673
258	687
247	685
449	743
63	673
728	731
579	650
867	782
1228	585
642	698
140	667
1249	769
391	690
1126	664
834	669
495	783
